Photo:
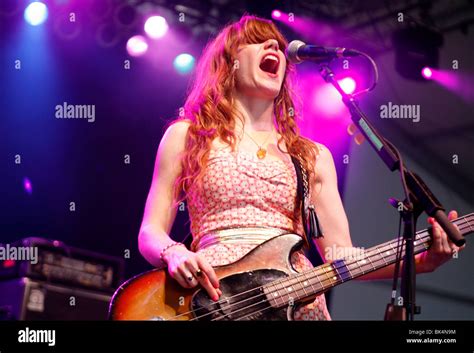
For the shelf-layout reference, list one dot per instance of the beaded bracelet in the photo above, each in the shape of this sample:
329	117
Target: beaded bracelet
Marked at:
167	247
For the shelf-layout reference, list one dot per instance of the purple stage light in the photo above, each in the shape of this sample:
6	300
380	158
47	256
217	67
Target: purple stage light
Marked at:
427	73
27	185
137	45
327	102
348	85
460	83
156	27
276	14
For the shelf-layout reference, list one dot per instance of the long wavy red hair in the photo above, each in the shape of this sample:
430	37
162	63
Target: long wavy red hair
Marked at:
210	109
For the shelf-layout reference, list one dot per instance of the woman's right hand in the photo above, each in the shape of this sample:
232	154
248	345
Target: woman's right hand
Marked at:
184	266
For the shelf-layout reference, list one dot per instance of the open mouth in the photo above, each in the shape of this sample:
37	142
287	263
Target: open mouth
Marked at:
270	63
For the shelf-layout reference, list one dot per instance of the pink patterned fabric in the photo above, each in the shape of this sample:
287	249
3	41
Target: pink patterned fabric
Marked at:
239	190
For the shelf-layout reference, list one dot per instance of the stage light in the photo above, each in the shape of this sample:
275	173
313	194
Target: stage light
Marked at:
156	27
326	102
416	47
276	14
348	85
36	13
427	73
456	81
27	185
137	45
184	63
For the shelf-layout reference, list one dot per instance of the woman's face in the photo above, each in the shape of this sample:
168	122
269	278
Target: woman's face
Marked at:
260	69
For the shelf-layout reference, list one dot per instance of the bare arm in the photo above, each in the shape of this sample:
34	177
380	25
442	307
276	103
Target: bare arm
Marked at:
333	220
159	212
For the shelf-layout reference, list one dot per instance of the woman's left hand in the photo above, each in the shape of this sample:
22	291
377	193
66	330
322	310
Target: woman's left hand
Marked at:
442	248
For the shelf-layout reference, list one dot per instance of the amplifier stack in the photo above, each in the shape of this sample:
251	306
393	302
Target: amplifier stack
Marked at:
43	279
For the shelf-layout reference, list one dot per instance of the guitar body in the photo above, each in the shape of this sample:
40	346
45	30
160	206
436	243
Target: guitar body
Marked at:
154	295
261	286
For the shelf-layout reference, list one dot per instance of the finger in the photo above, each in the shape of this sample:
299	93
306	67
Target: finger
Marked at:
211	274
452	215
187	276
180	279
447	249
206	284
204	279
437	244
194	269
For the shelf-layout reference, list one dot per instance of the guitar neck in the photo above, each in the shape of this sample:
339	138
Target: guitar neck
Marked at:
313	282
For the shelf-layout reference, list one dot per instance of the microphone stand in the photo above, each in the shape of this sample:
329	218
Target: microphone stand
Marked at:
419	198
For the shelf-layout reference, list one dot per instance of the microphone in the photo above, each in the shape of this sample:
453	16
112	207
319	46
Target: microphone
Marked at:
299	51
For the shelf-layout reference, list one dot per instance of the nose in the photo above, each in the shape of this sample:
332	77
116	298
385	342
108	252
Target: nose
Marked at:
272	44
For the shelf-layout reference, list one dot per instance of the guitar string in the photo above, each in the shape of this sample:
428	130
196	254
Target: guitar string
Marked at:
378	249
420	245
258	311
341	281
421	237
269	307
323	285
254	304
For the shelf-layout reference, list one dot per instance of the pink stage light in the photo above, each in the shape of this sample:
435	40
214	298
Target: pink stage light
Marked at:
427	73
460	83
348	85
137	46
327	103
276	14
156	27
27	185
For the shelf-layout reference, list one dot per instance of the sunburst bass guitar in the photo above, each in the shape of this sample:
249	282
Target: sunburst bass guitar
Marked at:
261	286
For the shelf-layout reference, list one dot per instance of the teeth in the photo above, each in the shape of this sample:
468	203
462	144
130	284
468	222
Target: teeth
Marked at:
267	66
271	57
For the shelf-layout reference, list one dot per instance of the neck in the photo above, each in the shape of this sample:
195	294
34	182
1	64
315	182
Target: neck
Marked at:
257	113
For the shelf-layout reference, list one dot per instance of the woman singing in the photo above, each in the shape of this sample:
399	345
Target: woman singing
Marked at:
229	156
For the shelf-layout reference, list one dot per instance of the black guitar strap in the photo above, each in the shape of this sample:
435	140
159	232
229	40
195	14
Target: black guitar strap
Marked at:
311	226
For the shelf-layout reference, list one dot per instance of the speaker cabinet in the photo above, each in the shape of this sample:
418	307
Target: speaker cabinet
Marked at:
27	299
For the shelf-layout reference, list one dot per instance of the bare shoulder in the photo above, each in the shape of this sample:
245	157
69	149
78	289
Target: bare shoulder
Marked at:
177	129
324	153
175	135
325	168
172	144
